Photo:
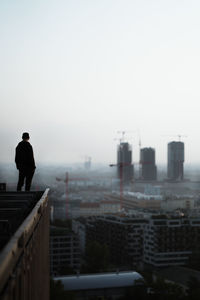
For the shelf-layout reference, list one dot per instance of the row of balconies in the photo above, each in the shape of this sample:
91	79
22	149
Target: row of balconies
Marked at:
64	256
165	239
53	251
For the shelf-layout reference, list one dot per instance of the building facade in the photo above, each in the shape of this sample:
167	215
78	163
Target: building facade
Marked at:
64	251
123	236
171	241
147	162
124	162
175	168
173	203
157	240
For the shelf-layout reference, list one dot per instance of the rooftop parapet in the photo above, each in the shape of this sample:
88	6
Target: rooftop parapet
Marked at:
14	208
24	242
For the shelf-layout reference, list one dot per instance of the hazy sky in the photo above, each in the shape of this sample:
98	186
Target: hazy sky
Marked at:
74	72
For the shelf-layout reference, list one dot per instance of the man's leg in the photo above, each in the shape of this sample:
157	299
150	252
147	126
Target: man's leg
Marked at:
29	176
20	180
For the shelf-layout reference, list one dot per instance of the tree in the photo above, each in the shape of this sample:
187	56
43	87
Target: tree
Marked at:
57	291
167	290
65	269
193	288
97	257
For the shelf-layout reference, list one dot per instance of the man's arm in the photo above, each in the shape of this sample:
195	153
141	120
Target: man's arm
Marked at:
32	161
17	157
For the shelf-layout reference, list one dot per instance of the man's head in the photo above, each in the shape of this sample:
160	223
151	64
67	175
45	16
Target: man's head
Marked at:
25	136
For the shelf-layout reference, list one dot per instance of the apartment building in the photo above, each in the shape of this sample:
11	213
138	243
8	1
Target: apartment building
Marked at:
123	236
170	241
175	162
124	162
147	162
64	250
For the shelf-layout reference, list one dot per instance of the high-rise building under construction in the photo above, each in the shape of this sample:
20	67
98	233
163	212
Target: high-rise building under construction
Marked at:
124	162
147	162
175	169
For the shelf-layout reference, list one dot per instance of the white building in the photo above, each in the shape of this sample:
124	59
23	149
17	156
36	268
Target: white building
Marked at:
103	285
89	209
109	207
173	204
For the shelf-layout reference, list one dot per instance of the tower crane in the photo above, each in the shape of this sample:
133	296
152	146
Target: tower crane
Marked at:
121	165
176	135
66	181
123	132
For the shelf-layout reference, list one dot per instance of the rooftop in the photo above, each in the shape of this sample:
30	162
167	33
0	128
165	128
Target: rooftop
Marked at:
58	231
14	208
89	205
100	281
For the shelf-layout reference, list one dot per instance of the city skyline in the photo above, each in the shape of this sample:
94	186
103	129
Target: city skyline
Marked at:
73	74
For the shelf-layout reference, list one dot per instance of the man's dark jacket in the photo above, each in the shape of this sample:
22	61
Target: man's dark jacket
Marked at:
24	158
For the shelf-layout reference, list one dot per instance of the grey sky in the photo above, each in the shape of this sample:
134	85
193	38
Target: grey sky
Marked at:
73	73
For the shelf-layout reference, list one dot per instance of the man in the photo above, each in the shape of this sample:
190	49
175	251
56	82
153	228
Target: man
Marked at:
25	162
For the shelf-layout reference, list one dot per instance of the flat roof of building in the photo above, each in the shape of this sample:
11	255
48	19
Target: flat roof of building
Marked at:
89	205
100	281
178	274
60	231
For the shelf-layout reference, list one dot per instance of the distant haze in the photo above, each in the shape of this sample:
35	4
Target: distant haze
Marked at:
73	73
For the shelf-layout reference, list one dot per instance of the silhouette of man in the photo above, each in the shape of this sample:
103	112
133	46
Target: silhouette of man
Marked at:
25	162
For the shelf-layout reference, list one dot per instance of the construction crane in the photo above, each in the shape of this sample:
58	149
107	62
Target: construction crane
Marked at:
121	169
121	166
176	135
139	163
118	139
123	132
66	181
181	135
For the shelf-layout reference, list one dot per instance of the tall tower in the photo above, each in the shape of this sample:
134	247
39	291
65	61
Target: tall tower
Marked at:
175	161
124	162
147	161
